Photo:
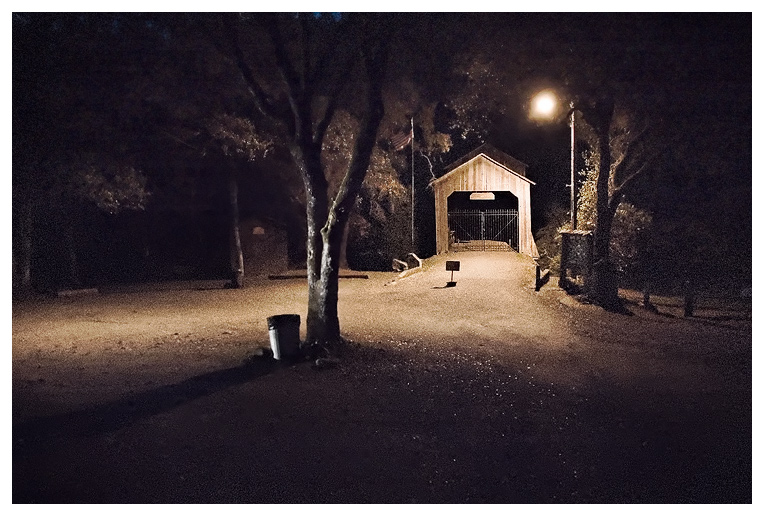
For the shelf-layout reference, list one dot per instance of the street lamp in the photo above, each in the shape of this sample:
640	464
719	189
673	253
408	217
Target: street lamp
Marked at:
545	106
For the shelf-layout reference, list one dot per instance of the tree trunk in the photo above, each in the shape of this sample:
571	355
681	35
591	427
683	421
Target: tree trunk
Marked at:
235	242
319	327
327	323
323	324
26	247
72	270
308	160
22	256
644	261
604	287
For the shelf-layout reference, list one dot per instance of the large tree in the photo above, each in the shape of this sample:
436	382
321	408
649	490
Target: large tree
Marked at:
649	92
323	64
621	154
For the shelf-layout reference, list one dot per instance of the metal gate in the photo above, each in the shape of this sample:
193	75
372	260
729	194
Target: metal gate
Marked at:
483	230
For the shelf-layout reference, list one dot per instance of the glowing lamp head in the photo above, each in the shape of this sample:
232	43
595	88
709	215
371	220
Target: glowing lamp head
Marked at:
544	105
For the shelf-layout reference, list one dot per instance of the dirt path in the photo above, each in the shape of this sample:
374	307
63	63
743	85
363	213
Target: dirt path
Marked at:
482	392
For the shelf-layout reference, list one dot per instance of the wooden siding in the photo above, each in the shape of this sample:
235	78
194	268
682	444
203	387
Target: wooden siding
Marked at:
482	174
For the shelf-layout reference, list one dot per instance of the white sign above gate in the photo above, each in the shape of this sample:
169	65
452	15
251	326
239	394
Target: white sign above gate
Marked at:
482	196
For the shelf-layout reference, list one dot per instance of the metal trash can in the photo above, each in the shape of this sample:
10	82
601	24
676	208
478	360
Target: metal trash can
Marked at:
284	333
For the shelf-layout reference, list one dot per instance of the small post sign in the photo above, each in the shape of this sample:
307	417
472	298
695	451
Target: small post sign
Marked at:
452	265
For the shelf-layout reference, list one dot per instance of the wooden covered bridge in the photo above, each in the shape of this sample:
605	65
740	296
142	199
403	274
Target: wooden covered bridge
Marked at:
483	203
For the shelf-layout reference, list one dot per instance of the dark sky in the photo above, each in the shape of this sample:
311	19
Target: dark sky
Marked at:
696	67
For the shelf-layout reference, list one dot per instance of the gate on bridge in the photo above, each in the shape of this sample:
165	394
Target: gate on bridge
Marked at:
483	230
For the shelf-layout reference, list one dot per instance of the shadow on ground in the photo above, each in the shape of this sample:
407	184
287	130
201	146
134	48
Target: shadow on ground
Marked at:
123	412
393	423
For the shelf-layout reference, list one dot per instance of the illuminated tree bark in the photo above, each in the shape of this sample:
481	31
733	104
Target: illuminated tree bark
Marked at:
603	284
306	130
235	241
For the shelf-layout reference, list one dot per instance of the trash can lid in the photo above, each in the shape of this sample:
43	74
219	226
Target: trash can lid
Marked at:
283	319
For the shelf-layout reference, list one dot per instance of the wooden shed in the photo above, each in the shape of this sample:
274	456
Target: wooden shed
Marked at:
264	246
483	203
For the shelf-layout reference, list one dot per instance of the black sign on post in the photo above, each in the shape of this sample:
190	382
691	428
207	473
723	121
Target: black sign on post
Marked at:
452	265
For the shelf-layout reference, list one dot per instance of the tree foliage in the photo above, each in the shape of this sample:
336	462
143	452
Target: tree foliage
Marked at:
73	140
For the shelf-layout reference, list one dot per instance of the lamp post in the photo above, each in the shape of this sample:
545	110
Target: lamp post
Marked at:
573	168
544	106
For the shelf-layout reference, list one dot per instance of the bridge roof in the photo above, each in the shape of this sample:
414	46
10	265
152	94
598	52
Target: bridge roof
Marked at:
503	160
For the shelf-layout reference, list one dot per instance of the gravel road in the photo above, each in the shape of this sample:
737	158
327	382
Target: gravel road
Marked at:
483	392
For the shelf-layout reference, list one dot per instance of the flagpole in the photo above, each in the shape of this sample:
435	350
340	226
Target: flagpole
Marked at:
411	143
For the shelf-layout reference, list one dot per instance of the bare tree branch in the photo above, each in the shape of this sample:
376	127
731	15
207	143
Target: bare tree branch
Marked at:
298	100
430	164
286	67
334	96
375	63
618	190
341	78
262	101
182	142
627	154
306	40
291	77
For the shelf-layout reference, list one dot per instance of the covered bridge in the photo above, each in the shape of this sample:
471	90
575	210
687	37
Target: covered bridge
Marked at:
483	203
